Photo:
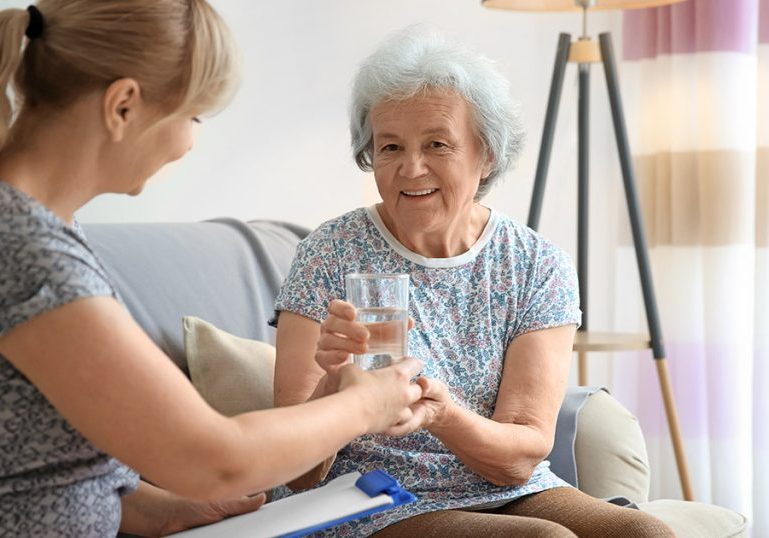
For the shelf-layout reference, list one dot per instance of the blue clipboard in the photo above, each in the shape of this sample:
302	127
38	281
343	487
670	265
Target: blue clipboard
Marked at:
345	498
373	484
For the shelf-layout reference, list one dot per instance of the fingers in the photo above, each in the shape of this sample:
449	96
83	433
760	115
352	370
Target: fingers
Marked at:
386	331
409	366
341	320
340	332
242	505
415	418
341	309
432	389
331	341
340	336
331	360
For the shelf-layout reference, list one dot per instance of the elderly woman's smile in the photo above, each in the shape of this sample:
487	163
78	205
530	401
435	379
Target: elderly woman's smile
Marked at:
421	193
429	161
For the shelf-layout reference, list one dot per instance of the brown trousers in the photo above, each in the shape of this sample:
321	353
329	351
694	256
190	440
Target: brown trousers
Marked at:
555	513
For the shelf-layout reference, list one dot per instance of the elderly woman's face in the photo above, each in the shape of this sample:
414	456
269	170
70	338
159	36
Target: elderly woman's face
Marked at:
428	160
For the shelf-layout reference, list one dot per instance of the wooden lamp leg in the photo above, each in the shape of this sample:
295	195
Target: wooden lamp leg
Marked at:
675	430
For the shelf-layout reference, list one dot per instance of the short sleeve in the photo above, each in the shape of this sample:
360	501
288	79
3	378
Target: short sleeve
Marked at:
550	297
314	279
37	276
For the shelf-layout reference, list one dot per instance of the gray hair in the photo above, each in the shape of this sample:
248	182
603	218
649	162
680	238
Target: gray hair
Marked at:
416	59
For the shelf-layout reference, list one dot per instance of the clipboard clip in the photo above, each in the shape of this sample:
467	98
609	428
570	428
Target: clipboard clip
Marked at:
377	482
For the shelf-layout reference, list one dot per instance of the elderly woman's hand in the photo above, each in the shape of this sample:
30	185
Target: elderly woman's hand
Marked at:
340	335
433	409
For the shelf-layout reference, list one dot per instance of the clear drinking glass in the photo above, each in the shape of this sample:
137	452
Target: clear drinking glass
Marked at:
382	302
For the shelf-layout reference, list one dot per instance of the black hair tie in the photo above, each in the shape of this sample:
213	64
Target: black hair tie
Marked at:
35	26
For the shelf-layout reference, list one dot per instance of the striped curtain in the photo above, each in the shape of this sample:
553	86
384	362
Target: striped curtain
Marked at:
695	83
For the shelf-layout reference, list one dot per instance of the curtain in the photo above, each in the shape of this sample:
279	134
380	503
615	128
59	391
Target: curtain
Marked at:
695	85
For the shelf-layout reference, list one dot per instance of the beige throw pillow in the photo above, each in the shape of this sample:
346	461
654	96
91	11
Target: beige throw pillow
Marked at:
233	374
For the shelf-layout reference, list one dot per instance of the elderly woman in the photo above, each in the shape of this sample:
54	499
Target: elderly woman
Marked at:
494	307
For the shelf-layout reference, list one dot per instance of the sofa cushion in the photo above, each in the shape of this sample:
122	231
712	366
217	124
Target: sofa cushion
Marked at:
234	375
698	520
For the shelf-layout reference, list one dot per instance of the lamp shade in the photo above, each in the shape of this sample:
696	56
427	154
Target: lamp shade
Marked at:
572	5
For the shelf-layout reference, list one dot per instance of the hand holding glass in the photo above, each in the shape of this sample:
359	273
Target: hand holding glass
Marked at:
381	301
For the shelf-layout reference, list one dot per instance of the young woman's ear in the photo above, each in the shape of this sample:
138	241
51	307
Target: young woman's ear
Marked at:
120	106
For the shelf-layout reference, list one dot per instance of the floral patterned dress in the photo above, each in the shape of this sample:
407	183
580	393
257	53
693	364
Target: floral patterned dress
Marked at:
53	481
466	310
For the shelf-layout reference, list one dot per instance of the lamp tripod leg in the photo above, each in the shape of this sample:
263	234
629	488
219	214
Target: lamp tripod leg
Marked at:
642	259
583	204
675	430
556	85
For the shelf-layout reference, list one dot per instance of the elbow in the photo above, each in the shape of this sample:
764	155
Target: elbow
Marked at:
304	482
312	477
215	471
516	475
518	470
214	483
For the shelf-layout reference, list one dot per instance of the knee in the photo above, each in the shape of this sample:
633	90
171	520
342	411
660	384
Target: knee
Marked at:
643	525
542	528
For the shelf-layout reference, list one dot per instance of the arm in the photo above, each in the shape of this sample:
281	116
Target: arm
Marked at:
151	511
310	356
298	377
506	448
111	383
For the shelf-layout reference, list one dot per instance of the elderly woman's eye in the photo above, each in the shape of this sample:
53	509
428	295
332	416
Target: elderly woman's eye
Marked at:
388	147
438	145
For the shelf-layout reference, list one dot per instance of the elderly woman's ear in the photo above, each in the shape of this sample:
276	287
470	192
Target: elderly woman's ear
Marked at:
488	166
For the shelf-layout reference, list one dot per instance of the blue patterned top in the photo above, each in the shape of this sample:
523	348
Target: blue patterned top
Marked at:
53	482
466	310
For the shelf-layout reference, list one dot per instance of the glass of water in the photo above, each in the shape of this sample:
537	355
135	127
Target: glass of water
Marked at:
382	302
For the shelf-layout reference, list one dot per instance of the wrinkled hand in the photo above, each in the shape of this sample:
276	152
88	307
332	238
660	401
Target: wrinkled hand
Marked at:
432	409
188	514
340	336
386	395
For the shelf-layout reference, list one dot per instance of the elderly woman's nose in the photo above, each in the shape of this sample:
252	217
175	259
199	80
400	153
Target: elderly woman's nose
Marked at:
413	165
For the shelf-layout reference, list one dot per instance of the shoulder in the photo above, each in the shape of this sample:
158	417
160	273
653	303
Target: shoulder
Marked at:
522	239
348	229
343	226
526	250
43	264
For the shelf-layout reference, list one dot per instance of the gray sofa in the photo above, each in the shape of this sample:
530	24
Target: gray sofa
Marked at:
228	272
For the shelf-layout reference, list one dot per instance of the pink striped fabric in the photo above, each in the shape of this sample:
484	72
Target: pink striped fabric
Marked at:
696	87
694	26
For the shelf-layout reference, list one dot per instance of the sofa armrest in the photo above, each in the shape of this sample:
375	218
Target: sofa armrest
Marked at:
599	447
610	450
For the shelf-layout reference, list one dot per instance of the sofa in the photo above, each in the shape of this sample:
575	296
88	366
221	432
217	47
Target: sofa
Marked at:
227	272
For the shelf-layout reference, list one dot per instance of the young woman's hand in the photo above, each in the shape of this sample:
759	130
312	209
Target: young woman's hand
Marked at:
386	395
191	514
153	511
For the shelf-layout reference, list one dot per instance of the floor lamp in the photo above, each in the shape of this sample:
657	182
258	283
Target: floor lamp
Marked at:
583	52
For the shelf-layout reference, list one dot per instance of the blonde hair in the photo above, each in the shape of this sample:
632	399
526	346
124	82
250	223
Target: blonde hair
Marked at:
179	51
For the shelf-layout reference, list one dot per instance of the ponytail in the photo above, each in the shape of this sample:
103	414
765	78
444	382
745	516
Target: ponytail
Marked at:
13	23
179	51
